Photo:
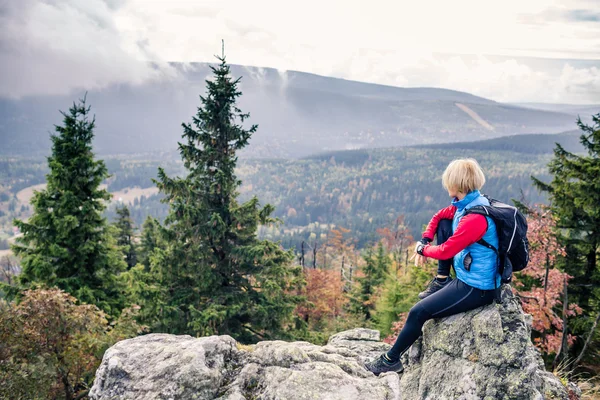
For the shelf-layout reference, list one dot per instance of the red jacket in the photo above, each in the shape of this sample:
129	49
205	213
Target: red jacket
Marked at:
470	229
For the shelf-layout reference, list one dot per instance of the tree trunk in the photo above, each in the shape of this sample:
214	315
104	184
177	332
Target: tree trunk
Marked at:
546	278
68	394
563	344
545	290
589	270
591	262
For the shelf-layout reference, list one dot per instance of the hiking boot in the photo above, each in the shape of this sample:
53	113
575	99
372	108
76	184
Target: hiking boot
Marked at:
433	287
380	365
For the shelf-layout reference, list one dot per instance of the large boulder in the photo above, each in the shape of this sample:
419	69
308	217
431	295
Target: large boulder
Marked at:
482	354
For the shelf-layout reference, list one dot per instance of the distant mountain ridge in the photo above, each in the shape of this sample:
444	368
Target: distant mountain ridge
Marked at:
584	110
526	143
298	114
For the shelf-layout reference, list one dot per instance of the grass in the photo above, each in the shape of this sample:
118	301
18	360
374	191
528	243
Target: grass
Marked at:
590	387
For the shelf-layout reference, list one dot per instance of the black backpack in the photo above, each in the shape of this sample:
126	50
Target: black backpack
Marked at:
513	246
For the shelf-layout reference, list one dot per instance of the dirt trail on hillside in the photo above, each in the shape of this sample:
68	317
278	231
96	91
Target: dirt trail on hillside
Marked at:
475	116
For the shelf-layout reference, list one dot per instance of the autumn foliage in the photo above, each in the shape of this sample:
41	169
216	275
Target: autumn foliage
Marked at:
398	238
324	296
541	285
50	346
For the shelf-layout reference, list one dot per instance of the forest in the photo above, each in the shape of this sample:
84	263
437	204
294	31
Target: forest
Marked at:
361	189
266	249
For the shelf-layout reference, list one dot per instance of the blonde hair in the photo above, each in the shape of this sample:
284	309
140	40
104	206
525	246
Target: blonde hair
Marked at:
463	175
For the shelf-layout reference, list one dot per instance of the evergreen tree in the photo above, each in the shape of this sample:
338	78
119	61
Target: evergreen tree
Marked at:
575	200
400	292
67	242
149	240
217	277
124	226
374	274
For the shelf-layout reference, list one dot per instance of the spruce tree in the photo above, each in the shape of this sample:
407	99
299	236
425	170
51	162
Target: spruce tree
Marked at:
67	242
399	293
149	240
217	276
575	200
124	232
374	274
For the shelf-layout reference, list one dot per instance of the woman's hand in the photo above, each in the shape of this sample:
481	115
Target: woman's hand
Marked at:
419	259
418	256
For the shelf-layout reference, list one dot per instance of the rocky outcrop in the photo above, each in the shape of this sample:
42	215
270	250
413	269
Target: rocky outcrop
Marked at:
482	354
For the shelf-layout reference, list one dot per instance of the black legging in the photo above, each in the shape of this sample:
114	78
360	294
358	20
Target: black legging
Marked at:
444	231
454	298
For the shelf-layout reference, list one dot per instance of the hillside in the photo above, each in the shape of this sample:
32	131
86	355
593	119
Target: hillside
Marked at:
359	189
526	143
368	189
362	190
298	114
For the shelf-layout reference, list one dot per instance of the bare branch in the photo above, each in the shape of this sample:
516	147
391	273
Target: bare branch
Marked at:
587	341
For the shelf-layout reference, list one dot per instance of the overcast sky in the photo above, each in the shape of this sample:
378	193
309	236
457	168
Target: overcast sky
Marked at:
510	50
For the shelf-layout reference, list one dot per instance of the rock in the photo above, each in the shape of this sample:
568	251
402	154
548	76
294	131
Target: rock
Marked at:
161	366
481	354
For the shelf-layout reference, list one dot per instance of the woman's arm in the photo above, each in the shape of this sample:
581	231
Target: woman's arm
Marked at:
470	229
444	213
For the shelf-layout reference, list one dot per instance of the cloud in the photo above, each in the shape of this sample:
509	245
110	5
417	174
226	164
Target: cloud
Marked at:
53	47
504	79
583	15
552	15
581	83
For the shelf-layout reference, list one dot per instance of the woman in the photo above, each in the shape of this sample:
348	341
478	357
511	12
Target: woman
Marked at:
475	264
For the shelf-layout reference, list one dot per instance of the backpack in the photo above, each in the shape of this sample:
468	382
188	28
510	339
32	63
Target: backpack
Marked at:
513	246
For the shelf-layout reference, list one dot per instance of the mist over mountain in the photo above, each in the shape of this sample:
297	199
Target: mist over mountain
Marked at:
298	114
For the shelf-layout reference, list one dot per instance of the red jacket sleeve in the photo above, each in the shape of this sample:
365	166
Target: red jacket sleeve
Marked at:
470	229
444	213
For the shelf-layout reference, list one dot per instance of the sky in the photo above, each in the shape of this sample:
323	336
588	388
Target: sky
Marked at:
510	51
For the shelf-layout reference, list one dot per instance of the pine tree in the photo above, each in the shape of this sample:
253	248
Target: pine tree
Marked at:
399	293
575	201
149	240
67	242
373	276
217	276
124	232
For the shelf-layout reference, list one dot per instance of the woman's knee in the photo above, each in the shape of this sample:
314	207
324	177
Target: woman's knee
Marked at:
418	313
444	230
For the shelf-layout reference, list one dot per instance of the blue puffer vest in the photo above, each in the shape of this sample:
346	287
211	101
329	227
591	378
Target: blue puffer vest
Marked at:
482	271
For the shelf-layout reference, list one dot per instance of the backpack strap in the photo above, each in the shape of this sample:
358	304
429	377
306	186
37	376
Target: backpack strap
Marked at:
485	243
497	294
481	210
